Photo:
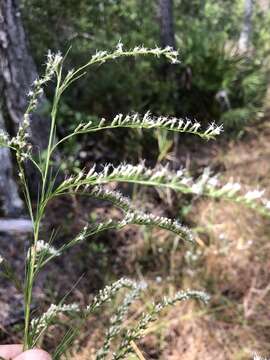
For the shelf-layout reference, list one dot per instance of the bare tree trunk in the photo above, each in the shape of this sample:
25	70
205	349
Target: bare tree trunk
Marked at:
9	196
17	73
167	38
166	23
245	36
167	34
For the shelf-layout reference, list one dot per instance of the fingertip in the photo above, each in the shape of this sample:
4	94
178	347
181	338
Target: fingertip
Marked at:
34	354
10	351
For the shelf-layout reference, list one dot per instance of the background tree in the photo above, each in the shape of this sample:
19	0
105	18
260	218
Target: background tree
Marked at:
245	36
9	196
166	23
17	73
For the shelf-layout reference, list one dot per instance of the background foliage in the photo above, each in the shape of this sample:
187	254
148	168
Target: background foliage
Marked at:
206	33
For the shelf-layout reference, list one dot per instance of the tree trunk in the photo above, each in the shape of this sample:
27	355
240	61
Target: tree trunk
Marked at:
245	36
17	73
12	205
166	23
167	38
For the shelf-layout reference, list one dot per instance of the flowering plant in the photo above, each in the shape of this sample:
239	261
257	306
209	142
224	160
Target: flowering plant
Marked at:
93	183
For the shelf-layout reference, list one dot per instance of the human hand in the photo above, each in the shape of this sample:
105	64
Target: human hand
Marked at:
15	352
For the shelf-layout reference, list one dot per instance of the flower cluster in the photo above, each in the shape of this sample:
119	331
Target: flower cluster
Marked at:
4	138
20	141
136	333
43	247
205	185
102	56
38	325
107	294
44	252
52	66
118	318
78	239
174	226
132	217
257	357
148	121
115	197
254	195
234	191
138	217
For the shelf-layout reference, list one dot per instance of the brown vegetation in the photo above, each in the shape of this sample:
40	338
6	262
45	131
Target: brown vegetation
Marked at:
231	262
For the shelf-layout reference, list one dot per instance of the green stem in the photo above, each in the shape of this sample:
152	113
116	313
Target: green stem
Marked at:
50	144
31	260
29	290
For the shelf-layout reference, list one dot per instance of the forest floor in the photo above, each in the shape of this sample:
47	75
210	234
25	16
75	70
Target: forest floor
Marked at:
231	261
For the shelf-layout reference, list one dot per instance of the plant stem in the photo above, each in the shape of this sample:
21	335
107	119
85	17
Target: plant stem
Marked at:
51	137
30	273
31	269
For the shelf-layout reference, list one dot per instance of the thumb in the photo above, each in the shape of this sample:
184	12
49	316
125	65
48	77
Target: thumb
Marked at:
34	354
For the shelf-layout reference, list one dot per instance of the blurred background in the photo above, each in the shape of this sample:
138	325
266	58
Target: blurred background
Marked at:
223	77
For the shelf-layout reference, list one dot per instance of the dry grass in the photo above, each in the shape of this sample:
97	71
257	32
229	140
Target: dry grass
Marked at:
231	262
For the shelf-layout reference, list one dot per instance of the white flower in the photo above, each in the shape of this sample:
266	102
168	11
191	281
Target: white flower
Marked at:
254	194
53	61
197	188
213	129
218	130
1	259
186	181
26	120
257	357
3	136
119	46
213	181
41	323
42	246
231	187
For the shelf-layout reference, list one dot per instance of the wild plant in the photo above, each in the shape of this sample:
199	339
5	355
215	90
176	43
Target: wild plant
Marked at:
92	182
